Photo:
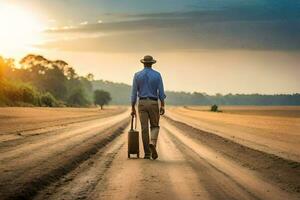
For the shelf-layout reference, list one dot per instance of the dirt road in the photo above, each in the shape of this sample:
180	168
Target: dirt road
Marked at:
192	164
33	155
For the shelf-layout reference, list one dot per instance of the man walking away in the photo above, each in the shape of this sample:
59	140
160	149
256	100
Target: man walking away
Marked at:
148	87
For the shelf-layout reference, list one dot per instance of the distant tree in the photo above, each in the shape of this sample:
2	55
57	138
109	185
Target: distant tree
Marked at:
214	108
54	82
87	87
77	98
101	98
90	77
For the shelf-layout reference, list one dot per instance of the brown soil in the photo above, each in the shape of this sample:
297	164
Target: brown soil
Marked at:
15	122
30	163
285	173
88	160
274	135
273	111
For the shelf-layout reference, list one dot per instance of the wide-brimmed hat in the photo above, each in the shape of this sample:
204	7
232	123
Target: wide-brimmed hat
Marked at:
148	59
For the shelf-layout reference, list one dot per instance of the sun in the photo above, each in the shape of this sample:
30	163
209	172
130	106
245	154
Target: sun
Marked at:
18	29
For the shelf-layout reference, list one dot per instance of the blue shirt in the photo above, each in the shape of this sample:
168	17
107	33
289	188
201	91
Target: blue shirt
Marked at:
147	83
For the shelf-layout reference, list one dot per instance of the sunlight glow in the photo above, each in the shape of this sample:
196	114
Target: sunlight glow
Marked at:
19	29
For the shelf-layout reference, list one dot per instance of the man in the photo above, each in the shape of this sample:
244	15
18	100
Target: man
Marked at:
148	86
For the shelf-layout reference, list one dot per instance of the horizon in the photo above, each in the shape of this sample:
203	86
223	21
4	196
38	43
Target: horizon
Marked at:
182	91
203	92
234	46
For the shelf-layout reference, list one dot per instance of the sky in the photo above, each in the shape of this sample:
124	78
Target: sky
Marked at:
212	46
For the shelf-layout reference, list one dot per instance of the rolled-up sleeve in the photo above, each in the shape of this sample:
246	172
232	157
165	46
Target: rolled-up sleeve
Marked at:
161	91
134	90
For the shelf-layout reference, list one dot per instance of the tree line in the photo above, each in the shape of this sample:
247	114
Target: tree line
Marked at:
197	98
38	81
120	95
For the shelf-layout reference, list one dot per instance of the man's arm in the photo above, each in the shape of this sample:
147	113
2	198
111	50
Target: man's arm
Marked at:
133	96
162	107
162	96
133	111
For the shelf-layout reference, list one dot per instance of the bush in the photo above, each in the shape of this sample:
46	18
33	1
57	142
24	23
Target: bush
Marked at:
12	93
214	108
48	100
29	95
23	94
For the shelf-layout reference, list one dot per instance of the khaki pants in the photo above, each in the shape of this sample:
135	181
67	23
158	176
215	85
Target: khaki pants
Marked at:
149	112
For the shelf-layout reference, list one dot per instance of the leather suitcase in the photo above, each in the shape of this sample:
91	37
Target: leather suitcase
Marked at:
133	140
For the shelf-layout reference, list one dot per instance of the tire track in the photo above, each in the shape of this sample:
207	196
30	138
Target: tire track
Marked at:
192	165
284	173
59	137
40	174
247	180
216	183
79	183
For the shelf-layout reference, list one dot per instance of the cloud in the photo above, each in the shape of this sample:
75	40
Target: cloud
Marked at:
269	27
259	36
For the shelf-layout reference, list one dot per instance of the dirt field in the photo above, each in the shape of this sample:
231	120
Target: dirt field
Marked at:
17	122
86	158
273	111
278	134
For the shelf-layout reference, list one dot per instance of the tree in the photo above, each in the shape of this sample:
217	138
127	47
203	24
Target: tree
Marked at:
101	98
90	77
6	65
77	98
54	81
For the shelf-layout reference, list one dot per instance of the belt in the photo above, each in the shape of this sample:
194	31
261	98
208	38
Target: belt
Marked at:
150	98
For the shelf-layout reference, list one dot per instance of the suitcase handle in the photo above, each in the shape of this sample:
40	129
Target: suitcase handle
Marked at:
132	117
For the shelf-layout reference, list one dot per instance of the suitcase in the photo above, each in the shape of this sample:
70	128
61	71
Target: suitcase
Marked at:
133	140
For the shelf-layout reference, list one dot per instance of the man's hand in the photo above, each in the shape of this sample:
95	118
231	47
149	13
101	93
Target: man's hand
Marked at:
133	111
162	110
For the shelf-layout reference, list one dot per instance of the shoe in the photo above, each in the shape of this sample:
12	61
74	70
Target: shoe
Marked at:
147	157
153	151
